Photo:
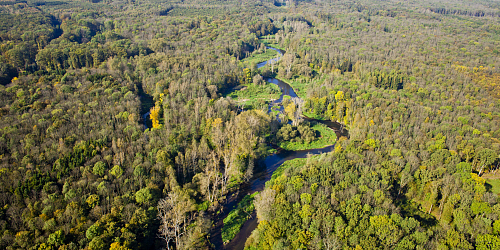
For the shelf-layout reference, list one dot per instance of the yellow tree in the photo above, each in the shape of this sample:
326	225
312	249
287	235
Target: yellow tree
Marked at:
339	96
154	116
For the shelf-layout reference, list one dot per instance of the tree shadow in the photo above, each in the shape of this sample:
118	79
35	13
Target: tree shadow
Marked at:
412	209
488	187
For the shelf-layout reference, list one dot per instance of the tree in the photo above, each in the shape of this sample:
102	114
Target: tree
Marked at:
99	168
263	204
174	213
144	195
116	171
117	246
487	242
154	115
385	229
484	158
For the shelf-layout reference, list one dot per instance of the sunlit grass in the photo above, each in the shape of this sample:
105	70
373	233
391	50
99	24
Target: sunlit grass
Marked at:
298	162
326	137
255	96
257	57
271	43
237	217
495	185
301	84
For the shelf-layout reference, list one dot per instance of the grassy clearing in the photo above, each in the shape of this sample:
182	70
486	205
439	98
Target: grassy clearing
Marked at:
326	137
237	217
314	116
301	84
271	43
254	96
495	185
493	181
258	57
295	163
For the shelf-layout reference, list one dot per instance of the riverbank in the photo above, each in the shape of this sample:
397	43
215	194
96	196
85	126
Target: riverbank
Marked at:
221	233
237	217
236	225
258	57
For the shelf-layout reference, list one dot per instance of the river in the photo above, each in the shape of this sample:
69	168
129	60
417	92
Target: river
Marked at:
268	166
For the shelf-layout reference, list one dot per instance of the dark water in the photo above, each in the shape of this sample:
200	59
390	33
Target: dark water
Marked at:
274	60
147	103
145	119
258	182
264	173
286	89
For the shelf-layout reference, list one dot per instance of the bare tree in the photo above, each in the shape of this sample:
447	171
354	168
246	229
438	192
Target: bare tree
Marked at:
263	204
174	213
330	242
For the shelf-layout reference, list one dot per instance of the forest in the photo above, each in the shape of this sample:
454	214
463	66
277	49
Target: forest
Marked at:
204	124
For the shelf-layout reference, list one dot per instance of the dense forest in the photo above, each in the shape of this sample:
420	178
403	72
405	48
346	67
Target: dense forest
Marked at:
144	124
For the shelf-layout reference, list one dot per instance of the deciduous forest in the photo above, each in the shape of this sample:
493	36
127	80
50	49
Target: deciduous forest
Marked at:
235	124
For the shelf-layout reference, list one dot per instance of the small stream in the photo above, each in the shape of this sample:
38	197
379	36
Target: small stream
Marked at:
270	164
147	103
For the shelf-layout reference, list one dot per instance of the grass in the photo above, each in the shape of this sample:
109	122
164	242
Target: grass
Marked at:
493	181
326	137
275	110
271	43
301	84
237	217
252	96
495	185
298	162
257	57
314	116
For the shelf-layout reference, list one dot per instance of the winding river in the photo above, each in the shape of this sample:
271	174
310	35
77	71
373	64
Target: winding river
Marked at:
268	166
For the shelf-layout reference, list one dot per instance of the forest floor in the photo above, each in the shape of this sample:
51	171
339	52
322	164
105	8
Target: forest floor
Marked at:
326	137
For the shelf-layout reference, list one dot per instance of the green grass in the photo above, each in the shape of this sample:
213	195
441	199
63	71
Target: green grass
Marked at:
298	162
275	110
257	57
237	217
301	84
252	96
327	137
271	43
314	116
495	185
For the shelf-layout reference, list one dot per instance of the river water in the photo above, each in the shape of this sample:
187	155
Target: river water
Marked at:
270	164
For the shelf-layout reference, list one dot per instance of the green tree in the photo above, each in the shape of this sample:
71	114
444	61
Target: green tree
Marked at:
487	242
144	195
99	168
116	171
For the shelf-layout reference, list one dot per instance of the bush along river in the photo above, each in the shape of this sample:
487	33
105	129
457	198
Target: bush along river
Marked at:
264	173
